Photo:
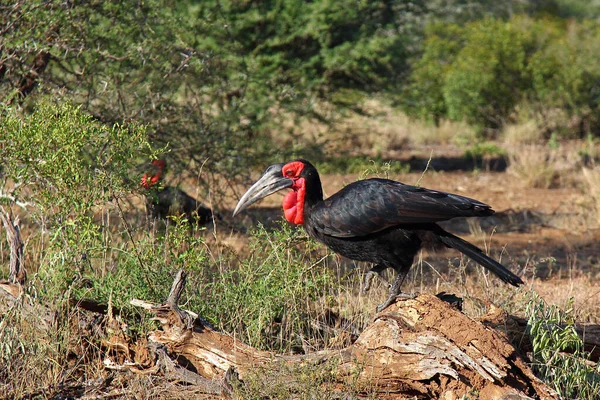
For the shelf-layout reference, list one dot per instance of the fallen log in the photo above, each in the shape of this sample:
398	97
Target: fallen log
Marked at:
418	348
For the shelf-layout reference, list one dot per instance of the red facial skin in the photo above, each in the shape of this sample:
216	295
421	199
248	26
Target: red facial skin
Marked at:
293	202
149	181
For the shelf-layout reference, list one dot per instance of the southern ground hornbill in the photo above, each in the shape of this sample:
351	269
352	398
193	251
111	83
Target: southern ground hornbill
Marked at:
166	201
376	220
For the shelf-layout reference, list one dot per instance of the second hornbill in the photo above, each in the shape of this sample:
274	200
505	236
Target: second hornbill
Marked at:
375	220
167	201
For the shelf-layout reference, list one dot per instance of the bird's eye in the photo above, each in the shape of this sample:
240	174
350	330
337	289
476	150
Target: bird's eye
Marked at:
288	172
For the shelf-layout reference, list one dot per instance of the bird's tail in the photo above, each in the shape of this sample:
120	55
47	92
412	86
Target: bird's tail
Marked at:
477	255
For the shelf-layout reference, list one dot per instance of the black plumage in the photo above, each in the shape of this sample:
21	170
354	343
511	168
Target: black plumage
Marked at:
375	220
168	201
171	201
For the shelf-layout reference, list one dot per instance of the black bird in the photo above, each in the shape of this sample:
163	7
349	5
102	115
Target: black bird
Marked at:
376	220
163	202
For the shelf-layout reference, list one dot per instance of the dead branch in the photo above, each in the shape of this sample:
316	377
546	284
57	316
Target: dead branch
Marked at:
13	236
422	347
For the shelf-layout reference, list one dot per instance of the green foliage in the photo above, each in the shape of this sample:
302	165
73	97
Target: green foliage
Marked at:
485	79
424	91
74	178
323	44
67	167
553	332
212	78
480	72
484	149
474	72
566	75
66	162
574	8
204	77
152	62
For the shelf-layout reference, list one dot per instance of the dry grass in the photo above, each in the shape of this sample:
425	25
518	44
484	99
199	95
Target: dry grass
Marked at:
528	132
446	132
535	165
376	131
592	184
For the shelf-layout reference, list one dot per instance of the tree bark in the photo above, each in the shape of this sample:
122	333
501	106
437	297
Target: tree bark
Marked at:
422	347
12	227
30	81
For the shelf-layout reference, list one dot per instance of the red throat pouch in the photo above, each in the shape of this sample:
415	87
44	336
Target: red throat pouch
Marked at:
293	207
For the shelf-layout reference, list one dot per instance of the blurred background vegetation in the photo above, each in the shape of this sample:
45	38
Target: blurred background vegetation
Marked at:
217	79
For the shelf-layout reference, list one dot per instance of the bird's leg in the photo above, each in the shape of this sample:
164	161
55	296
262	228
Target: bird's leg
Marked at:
377	269
395	291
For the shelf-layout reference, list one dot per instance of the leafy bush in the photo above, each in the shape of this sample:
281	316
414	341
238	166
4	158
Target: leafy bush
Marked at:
484	82
65	162
480	72
67	167
204	77
553	335
424	96
566	76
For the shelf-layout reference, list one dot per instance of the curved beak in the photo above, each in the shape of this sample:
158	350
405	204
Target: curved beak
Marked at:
271	182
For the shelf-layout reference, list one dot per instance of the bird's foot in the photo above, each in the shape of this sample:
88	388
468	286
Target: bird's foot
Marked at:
369	278
392	298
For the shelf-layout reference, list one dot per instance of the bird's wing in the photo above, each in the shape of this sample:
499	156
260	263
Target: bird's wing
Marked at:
372	205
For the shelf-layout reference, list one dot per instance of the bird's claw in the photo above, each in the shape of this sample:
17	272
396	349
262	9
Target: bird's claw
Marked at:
406	296
392	298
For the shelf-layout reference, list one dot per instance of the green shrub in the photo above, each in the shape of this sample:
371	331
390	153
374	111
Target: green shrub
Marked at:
565	76
558	355
74	173
65	162
482	71
488	75
424	96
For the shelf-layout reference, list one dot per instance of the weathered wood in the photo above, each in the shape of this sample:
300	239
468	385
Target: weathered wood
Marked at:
421	347
12	227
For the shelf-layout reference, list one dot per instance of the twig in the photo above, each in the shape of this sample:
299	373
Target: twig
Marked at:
22	204
425	170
